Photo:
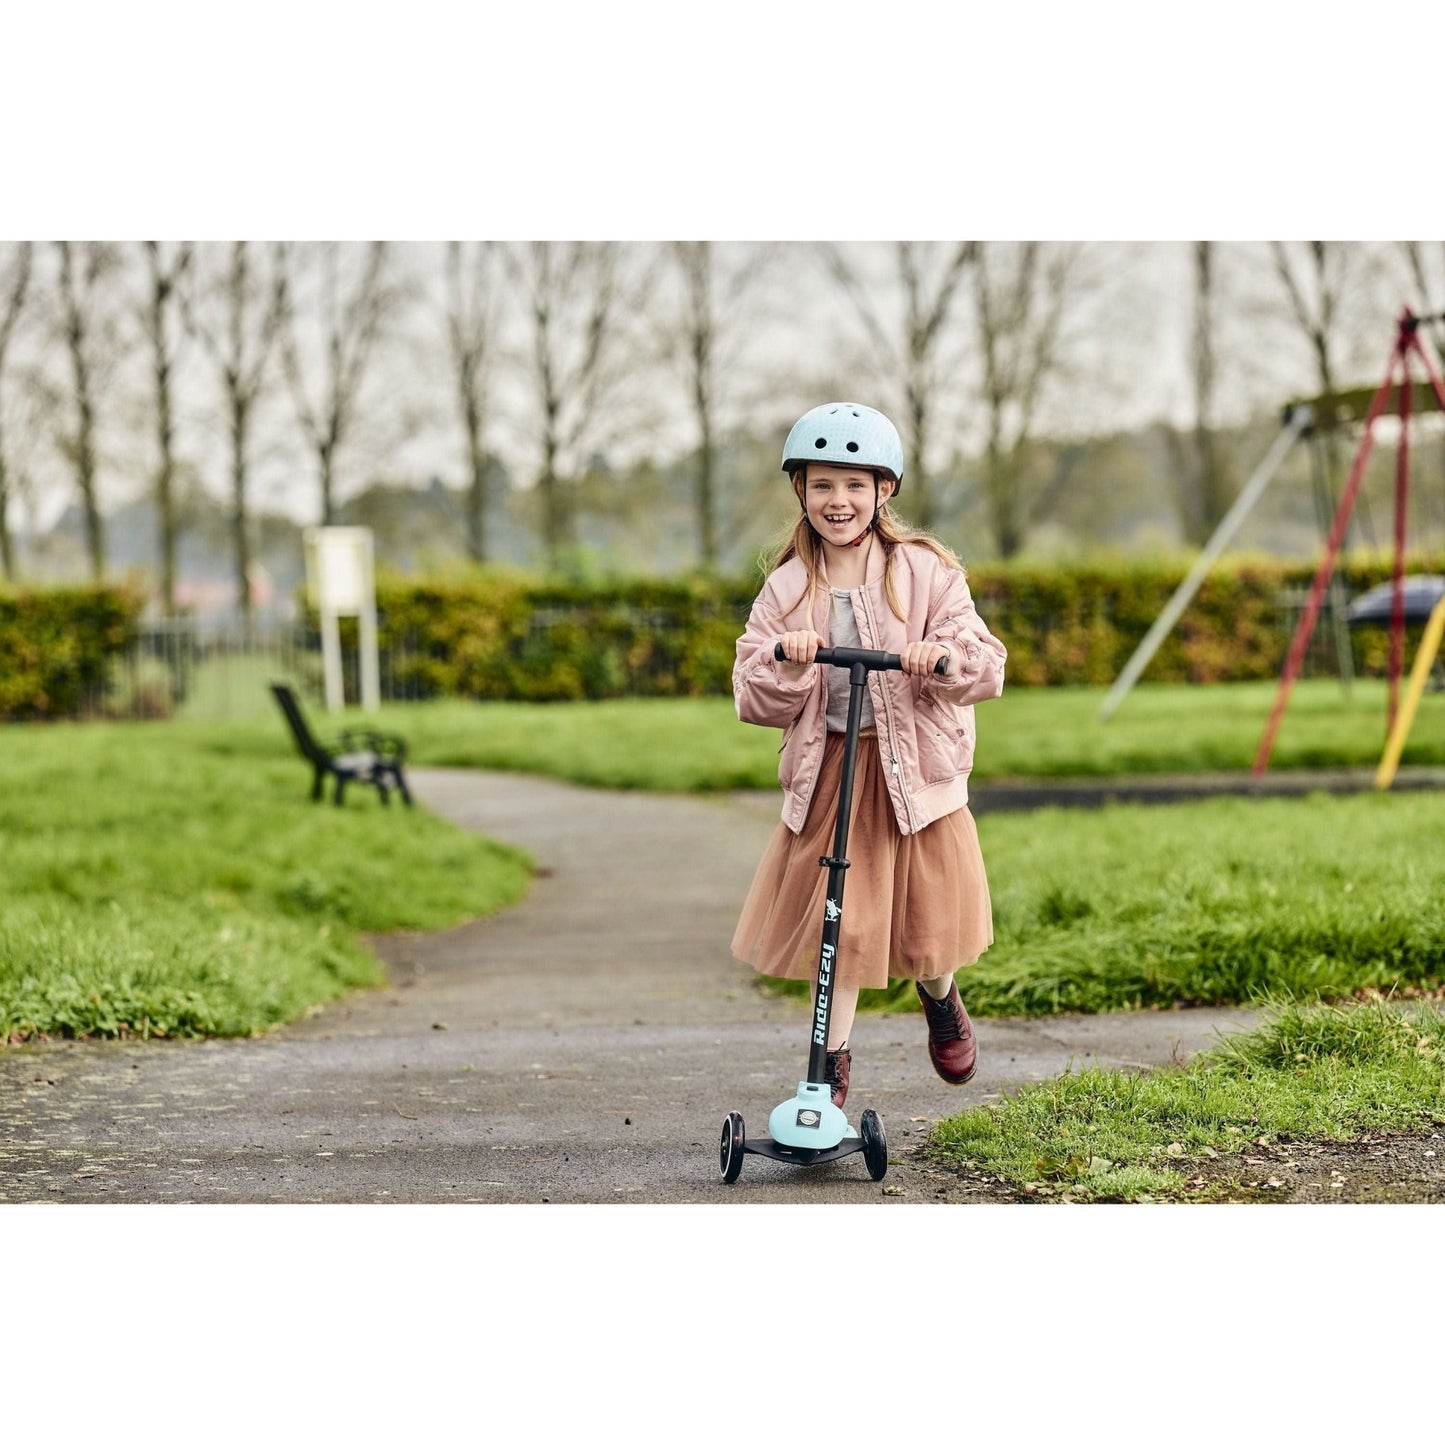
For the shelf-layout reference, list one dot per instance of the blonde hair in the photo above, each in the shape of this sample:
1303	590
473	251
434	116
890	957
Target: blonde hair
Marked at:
800	540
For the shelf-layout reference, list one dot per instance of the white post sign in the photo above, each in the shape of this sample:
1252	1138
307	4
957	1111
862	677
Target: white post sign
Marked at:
341	578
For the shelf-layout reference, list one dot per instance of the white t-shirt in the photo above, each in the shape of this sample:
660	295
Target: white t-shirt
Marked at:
844	634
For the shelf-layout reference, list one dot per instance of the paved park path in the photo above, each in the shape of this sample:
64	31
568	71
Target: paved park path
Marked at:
582	1046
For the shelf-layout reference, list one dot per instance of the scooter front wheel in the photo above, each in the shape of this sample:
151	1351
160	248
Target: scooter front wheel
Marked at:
732	1148
875	1144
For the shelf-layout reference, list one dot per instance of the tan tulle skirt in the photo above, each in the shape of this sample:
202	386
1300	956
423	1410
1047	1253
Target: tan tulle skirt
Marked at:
913	907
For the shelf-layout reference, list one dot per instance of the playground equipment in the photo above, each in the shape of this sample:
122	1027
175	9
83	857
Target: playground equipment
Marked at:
1407	346
1301	419
1400	729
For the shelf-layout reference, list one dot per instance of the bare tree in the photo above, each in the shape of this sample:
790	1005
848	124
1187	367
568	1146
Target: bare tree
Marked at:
1202	470
471	324
237	315
1317	282
573	295
1429	284
14	293
711	297
1316	278
351	325
1428	280
82	269
1213	483
166	275
930	274
1322	273
1020	295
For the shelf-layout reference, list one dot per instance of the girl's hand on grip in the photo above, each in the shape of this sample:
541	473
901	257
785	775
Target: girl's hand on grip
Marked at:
799	648
920	658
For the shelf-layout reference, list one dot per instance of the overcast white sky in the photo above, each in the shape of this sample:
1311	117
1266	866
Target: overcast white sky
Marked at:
1108	122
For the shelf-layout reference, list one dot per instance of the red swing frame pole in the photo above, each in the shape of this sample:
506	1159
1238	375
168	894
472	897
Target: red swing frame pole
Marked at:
1295	659
1402	485
1411	326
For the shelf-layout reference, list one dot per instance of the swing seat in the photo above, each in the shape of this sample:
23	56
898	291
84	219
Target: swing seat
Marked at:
1422	593
1376	606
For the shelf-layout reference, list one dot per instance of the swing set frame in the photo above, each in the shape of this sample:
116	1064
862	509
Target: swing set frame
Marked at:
1299	420
1397	379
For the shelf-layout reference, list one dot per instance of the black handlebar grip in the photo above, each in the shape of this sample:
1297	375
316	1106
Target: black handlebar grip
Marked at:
875	661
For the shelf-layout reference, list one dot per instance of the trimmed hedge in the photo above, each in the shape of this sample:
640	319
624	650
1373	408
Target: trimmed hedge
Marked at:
1080	625
499	636
57	647
492	635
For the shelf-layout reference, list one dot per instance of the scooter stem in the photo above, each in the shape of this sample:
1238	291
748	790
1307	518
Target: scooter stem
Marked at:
859	661
837	866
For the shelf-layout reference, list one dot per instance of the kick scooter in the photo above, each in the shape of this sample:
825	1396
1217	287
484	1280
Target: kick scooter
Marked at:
809	1128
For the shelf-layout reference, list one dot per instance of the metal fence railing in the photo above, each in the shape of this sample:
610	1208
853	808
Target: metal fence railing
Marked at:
1331	651
202	670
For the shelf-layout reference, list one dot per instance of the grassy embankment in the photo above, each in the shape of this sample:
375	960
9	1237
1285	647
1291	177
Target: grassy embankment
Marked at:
1224	901
698	745
175	880
1316	1074
173	877
1228	901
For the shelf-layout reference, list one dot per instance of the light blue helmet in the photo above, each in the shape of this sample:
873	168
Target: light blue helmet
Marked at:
848	434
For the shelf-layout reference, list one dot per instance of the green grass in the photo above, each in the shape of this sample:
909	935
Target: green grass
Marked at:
1321	1073
1047	732
229	688
1221	901
1217	902
172	876
163	879
668	745
698	745
1200	903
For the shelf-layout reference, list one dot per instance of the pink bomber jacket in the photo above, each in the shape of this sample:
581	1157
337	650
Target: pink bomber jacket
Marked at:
925	725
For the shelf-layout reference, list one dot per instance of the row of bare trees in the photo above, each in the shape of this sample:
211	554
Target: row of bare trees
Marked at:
559	352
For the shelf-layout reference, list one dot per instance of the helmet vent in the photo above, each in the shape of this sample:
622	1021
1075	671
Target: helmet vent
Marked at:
821	443
852	446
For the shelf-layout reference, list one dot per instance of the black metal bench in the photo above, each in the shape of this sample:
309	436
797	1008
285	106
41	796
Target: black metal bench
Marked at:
362	756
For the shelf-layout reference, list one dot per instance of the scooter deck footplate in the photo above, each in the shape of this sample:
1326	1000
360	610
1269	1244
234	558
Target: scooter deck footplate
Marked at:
771	1149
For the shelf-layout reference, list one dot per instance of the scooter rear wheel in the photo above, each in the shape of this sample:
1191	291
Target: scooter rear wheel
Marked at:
732	1148
875	1144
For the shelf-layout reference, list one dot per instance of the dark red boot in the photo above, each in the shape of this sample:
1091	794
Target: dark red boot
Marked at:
835	1074
951	1044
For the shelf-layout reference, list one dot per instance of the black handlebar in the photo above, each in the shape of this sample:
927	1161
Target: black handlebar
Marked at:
874	661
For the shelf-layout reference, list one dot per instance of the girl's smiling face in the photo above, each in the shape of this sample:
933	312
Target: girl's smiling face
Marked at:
840	501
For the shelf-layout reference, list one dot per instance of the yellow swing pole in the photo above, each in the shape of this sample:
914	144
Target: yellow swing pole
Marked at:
1424	660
